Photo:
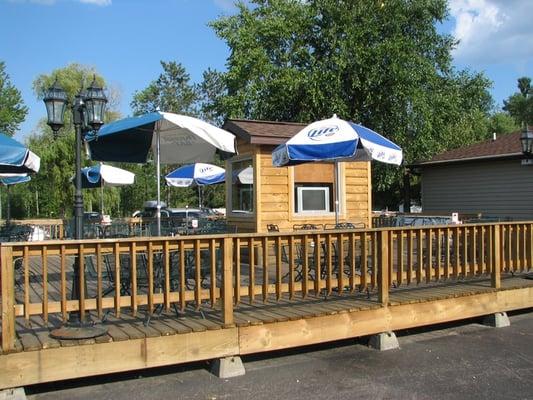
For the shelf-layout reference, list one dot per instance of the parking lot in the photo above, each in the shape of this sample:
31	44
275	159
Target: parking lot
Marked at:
465	360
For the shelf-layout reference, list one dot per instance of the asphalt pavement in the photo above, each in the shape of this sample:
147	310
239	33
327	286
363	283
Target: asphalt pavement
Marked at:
464	360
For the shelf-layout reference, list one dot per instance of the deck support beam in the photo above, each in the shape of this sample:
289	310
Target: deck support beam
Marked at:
384	341
497	320
228	367
13	394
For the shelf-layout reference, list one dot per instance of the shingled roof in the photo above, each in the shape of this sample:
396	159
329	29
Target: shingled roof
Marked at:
504	146
263	132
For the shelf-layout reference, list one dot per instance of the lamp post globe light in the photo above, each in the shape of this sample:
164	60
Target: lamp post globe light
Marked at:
526	139
87	115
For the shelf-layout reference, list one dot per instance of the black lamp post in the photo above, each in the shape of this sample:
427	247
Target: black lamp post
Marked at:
87	115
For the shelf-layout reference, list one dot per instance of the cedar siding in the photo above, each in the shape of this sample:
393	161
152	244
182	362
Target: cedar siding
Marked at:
274	186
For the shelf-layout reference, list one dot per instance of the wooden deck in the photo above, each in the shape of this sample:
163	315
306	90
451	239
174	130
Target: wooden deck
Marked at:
35	335
414	278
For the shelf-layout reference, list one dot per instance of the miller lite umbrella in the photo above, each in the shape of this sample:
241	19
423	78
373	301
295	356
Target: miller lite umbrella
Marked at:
336	140
197	174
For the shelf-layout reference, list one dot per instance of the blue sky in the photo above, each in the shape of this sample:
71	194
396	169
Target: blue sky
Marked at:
130	37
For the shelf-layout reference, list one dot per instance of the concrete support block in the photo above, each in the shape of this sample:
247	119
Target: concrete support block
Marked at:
13	394
384	341
228	367
497	320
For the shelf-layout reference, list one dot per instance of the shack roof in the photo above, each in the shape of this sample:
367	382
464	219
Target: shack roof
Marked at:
263	132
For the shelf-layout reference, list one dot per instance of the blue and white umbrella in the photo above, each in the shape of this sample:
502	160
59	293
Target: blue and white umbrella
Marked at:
197	174
102	175
14	179
105	175
336	140
174	139
15	158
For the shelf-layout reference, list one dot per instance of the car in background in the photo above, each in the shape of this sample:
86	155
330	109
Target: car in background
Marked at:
92	217
185	217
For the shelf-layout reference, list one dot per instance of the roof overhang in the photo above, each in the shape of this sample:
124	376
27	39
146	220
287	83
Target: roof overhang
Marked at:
469	159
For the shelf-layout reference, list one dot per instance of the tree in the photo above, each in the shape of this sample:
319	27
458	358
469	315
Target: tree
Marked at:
12	108
383	64
171	92
502	123
520	105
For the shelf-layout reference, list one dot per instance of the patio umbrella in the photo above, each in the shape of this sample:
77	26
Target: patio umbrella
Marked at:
105	175
244	176
197	174
174	139
336	140
15	158
8	180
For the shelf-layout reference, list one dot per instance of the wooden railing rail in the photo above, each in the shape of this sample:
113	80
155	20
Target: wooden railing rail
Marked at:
140	275
51	228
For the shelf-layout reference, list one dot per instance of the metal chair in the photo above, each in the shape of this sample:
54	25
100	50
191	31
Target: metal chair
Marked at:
307	227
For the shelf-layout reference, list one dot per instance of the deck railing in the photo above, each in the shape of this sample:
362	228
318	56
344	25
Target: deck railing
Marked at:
143	275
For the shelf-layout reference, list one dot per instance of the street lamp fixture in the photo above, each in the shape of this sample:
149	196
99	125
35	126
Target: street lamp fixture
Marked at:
55	100
87	115
526	139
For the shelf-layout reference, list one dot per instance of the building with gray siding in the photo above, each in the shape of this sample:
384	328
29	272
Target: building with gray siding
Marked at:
487	178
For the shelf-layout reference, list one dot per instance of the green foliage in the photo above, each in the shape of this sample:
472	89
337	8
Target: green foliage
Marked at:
502	123
170	92
383	64
50	192
520	105
12	108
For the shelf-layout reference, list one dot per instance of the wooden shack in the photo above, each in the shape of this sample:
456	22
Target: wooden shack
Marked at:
259	194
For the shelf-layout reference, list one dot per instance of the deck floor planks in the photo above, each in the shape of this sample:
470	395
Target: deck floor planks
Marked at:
29	341
116	334
35	334
172	323
47	342
267	314
147	330
195	326
163	329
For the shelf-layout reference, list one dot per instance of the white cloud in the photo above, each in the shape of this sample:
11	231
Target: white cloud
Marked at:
492	31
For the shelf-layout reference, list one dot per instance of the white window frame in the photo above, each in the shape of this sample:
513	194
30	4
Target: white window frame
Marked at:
300	192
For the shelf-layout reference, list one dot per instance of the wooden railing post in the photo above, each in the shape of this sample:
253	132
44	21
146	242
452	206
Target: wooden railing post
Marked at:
61	233
383	272
227	283
7	279
496	259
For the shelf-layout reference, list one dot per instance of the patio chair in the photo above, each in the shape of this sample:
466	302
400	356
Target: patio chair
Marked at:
307	227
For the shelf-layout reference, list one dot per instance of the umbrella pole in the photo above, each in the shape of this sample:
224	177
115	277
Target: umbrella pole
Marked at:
102	199
336	180
199	196
158	169
8	211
